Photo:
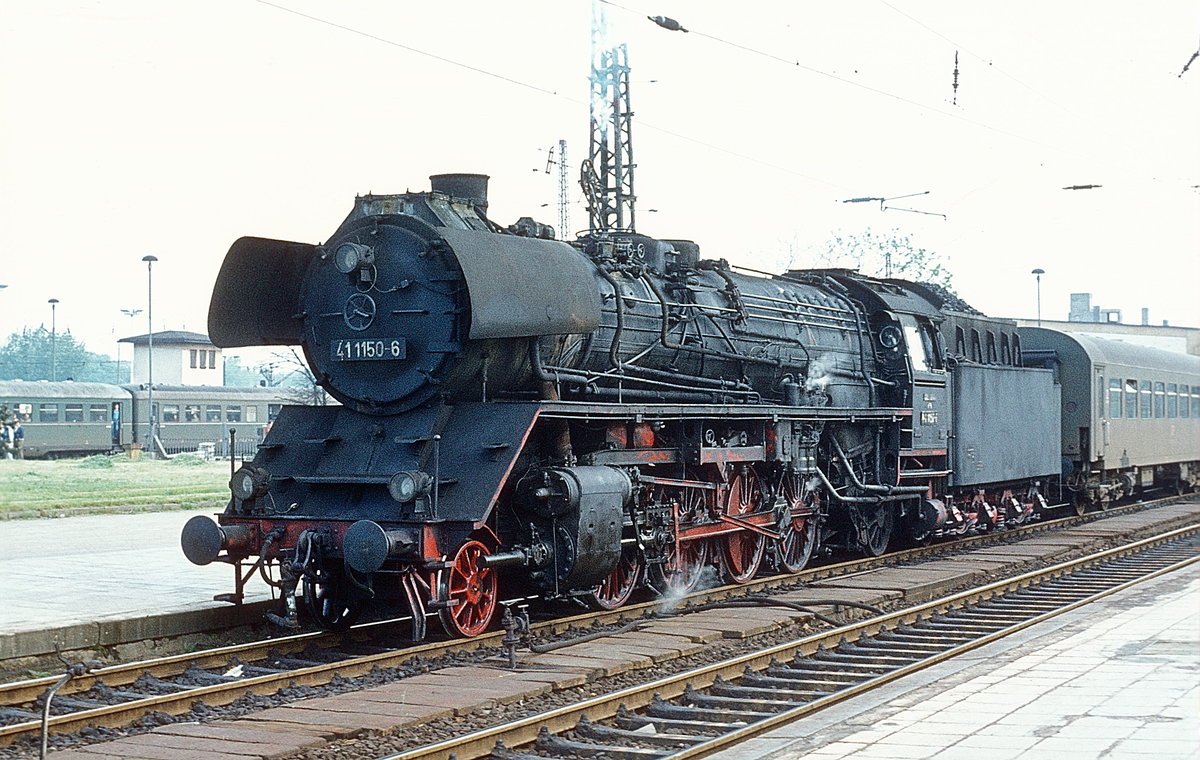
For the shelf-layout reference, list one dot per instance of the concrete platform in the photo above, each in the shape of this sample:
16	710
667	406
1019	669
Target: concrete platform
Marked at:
105	579
1116	679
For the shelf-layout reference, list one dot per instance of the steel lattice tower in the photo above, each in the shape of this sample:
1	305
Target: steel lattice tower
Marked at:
607	176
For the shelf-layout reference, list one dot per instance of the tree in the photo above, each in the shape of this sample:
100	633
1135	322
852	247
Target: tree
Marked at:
39	355
892	254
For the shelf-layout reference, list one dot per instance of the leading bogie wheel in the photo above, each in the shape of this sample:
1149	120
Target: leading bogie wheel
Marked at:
326	602
468	592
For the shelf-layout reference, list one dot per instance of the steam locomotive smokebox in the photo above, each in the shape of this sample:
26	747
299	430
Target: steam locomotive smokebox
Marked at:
473	187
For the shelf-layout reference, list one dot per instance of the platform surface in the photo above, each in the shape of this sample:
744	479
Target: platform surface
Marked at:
73	570
1117	679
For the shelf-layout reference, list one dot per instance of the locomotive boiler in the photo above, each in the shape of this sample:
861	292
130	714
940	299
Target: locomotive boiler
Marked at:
579	420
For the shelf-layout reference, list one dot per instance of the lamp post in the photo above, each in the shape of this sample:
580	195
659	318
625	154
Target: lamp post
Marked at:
131	313
149	444
53	340
1038	273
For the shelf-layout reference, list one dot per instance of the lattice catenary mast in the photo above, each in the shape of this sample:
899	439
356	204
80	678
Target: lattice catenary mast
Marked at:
607	175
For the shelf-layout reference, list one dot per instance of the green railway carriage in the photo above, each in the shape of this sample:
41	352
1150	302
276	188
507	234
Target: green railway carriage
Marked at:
68	418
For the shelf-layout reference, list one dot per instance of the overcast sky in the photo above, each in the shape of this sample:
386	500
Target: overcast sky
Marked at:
135	127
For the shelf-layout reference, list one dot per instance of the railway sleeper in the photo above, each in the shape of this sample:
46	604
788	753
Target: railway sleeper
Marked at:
65	703
817	688
150	684
1004	602
588	729
16	715
706	700
633	721
987	616
548	742
112	695
198	676
501	752
815	679
940	625
861	660
724	688
892	653
664	709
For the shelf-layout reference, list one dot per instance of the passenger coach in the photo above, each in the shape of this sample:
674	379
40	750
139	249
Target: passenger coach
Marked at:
1130	414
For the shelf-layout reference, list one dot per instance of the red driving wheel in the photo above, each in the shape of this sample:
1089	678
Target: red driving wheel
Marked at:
744	548
469	592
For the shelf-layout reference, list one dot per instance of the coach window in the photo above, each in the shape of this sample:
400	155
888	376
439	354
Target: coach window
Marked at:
1131	398
1172	403
1114	399
1195	401
1160	401
170	413
251	413
273	411
1146	407
212	413
233	413
98	413
73	413
191	413
47	412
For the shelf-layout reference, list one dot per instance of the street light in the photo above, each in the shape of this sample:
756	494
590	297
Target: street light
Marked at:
150	356
1038	273
53	340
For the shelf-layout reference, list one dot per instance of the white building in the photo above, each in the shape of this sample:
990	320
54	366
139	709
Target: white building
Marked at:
180	358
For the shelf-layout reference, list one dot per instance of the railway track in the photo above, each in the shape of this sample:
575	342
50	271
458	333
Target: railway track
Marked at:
117	695
709	709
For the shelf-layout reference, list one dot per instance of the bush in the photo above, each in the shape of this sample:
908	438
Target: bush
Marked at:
96	461
185	460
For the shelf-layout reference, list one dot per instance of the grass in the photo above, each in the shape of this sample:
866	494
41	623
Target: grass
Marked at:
99	484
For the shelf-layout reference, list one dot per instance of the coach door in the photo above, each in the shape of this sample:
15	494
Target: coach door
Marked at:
115	423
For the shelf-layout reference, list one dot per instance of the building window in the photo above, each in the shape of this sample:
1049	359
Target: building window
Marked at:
74	413
233	414
192	352
203	360
212	359
976	347
212	413
1114	399
960	342
47	412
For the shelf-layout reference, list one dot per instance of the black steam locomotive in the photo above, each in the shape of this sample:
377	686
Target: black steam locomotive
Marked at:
587	419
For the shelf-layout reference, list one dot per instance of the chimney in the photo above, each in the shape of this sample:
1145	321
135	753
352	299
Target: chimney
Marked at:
471	187
1145	317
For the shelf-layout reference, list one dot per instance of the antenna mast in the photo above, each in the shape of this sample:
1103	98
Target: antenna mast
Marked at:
607	175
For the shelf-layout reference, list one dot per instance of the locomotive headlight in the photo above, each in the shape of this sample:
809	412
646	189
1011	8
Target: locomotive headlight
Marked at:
407	486
249	482
351	256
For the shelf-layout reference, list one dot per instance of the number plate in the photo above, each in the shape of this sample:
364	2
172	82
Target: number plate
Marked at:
366	349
